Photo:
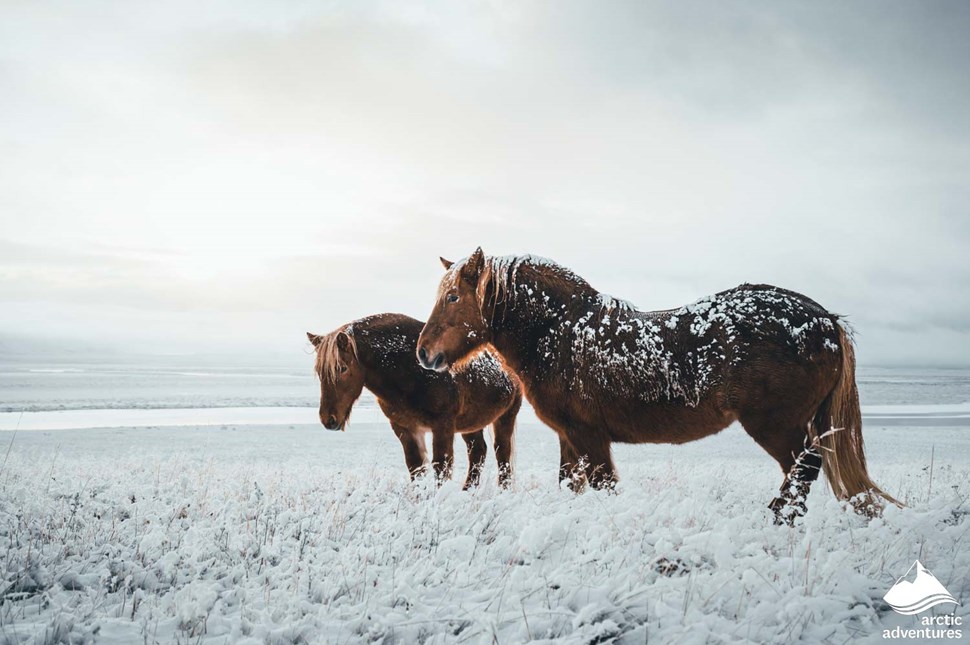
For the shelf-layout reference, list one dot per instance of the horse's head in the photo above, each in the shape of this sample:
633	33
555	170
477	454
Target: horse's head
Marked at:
341	376
456	327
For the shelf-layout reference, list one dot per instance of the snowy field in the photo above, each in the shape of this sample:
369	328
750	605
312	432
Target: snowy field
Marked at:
232	525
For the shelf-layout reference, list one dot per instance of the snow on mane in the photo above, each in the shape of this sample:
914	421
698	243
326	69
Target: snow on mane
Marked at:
501	272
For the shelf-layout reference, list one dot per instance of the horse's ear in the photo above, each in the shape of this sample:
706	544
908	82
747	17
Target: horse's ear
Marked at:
474	265
343	341
446	263
314	338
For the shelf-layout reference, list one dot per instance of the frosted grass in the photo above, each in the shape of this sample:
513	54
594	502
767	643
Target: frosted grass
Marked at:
278	535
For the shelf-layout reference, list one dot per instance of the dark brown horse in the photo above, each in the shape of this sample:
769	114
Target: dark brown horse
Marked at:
597	370
377	352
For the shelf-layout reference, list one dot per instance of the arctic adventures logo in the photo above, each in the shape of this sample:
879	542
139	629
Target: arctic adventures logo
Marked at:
914	597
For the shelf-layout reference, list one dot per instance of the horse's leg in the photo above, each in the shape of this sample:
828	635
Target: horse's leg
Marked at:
593	449
504	429
790	502
477	451
600	470
569	470
442	453
414	450
799	460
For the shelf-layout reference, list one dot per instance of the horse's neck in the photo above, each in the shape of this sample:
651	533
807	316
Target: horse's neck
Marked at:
519	326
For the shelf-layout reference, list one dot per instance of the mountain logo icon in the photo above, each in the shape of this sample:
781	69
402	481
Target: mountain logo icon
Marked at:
914	597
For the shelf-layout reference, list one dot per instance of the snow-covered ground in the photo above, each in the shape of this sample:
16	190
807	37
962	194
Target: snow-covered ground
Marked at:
254	529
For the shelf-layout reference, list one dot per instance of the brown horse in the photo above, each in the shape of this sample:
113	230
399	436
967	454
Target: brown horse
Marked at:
377	352
597	370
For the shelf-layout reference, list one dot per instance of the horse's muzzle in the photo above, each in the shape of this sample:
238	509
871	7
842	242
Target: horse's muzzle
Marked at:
436	363
331	423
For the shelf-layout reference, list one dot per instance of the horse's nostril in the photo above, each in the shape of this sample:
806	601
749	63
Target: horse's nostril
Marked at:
422	355
331	422
438	360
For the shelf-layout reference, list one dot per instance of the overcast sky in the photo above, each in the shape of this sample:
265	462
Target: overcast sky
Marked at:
186	176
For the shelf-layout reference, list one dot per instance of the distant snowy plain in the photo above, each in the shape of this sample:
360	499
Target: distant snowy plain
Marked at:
262	532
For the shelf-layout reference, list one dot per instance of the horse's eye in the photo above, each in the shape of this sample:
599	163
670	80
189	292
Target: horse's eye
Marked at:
452	297
343	368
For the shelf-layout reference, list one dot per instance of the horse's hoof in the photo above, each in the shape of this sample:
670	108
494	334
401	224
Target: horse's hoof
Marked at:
786	511
574	484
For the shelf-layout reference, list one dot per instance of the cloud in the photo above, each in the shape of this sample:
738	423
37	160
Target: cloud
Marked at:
219	176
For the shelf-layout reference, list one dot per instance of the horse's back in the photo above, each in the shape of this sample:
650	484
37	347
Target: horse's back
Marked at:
700	355
760	345
390	326
754	312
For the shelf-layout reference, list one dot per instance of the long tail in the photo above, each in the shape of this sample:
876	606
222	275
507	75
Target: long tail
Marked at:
837	429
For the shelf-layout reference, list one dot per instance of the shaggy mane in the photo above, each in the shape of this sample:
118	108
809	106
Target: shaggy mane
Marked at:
501	273
327	365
